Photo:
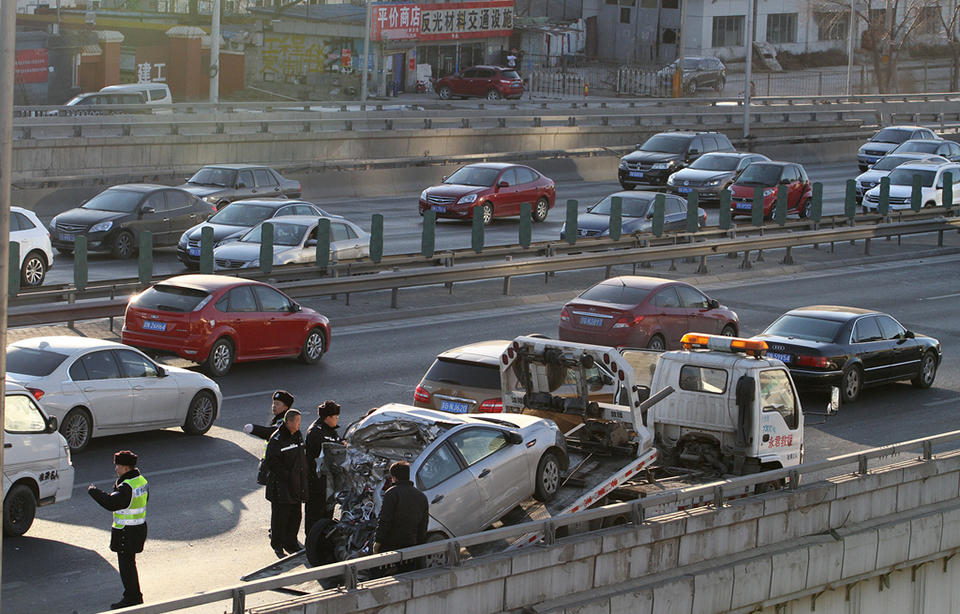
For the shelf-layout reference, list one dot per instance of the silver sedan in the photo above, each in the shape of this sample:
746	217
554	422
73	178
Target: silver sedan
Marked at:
96	388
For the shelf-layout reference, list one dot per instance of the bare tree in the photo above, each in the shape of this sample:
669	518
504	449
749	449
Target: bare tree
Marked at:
950	20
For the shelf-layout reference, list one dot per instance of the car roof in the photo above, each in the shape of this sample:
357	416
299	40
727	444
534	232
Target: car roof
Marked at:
275	203
903	127
68	343
141	187
733	154
917	155
833	312
433	415
924	165
487	352
931	141
300	220
207	283
635	193
773	163
493	66
236	166
636	281
497	165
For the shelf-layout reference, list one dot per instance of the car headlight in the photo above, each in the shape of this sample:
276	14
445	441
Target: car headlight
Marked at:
662	165
623	163
714	182
101	227
183	240
253	263
53	224
769	191
423	195
670	180
469	198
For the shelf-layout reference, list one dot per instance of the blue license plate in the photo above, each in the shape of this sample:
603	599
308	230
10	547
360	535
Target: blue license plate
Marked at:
784	358
66	237
683	190
194	251
588	321
454	407
439	208
151	325
744	206
636	174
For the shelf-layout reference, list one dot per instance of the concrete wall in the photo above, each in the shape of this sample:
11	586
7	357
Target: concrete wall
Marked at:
888	536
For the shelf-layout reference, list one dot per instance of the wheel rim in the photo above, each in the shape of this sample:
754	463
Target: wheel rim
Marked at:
202	412
33	271
541	211
221	357
656	343
493	95
487	214
444	93
728	331
75	431
852	382
124	244
929	369
314	345
551	477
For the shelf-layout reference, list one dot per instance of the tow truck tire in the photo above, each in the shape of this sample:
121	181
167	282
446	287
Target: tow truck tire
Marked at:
319	548
548	477
19	510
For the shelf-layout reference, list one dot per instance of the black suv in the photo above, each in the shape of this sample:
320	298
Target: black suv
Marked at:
666	153
698	73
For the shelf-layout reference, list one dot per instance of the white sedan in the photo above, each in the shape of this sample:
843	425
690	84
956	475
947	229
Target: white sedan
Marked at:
294	242
931	185
96	388
36	254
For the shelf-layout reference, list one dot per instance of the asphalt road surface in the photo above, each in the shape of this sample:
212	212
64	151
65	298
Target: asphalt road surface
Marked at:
208	519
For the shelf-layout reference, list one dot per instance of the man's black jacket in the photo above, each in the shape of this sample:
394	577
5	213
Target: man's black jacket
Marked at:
403	517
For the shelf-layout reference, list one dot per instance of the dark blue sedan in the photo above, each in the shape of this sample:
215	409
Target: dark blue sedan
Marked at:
637	215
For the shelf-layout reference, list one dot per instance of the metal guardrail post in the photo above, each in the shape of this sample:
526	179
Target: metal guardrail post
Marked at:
724	211
756	210
323	243
526	223
947	199
428	237
476	234
616	218
659	205
266	247
376	237
13	268
693	211
146	258
780	216
816	210
884	205
916	195
571	227
80	269
239	601
206	250
850	200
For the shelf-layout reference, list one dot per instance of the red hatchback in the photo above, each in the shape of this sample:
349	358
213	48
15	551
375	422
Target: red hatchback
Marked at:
491	190
771	177
633	311
490	82
218	320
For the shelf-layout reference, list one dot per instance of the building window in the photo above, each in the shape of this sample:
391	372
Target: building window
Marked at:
624	15
648	4
613	2
782	28
671	4
832	26
728	31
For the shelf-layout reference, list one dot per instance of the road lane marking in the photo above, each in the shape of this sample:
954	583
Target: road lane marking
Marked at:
192	468
248	395
941	402
937	298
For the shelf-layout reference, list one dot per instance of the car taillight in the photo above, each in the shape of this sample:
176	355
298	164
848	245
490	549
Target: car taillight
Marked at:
627	321
36	392
421	395
564	315
491	406
820	362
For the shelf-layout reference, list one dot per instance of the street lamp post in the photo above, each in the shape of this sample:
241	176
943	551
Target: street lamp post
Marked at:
215	53
748	74
366	54
851	28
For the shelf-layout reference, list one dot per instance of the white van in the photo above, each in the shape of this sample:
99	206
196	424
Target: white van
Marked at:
153	93
36	461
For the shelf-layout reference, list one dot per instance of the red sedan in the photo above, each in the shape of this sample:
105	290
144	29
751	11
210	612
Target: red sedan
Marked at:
491	190
218	320
771	177
633	311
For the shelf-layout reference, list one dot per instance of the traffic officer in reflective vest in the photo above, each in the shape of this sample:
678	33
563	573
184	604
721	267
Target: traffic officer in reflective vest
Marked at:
128	502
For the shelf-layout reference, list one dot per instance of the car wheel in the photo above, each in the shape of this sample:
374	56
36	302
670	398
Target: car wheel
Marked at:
19	510
540	210
928	371
77	429
691	88
200	414
851	383
66	251
804	210
444	92
657	343
313	347
929	204
123	245
220	359
729	331
486	212
435	560
34	269
319	547
493	95
548	477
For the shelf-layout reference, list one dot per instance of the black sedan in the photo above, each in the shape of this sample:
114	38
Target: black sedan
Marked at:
113	220
221	184
849	347
636	215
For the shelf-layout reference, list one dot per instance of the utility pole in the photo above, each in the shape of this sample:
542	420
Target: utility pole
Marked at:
681	51
749	71
364	75
851	28
215	53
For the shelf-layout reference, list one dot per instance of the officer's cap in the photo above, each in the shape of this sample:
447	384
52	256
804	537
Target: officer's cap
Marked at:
126	458
284	397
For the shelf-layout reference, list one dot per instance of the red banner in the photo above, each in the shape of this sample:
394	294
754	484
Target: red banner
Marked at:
30	66
426	22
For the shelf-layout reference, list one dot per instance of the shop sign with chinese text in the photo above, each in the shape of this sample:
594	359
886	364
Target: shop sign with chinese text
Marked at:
438	21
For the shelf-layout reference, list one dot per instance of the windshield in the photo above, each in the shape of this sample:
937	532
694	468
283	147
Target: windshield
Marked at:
666	144
888	163
238	214
121	201
510	74
892	135
919	146
164	297
28	361
632	207
617	294
283	234
473	175
805	327
761	174
711	162
211	175
904	176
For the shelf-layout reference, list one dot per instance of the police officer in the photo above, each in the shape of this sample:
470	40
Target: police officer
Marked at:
287	487
128	502
323	430
403	515
282	401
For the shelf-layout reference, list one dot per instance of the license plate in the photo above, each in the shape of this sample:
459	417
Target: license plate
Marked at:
683	190
439	208
784	358
636	174
588	321
66	237
194	251
745	206
151	325
454	407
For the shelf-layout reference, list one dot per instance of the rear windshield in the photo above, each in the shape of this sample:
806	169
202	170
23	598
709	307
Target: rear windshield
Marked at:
716	163
239	214
510	74
163	297
471	374
892	135
616	293
29	361
805	327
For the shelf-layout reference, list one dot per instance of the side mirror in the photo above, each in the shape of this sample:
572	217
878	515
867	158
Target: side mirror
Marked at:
746	391
713	303
503	184
834	405
638	146
148	209
642	392
444	178
909	335
311	243
514	438
161	372
52	424
784	182
241	185
295	308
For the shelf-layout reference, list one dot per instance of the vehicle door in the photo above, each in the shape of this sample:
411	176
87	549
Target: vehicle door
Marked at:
674	214
245	187
451	490
21	231
151	215
779	429
875	353
265	184
344	243
483	82
182	214
907	352
700	318
501	469
284	327
156	400
27	446
241	313
462	83
526	187
508	193
109	396
671	318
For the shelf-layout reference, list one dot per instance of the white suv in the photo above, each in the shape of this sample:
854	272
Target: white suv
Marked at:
36	254
931	185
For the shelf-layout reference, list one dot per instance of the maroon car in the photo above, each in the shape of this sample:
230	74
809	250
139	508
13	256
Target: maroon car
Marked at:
218	320
632	311
491	190
771	177
490	82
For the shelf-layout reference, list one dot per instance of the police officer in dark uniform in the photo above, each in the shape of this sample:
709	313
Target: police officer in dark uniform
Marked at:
282	401
323	430
286	462
128	502
403	515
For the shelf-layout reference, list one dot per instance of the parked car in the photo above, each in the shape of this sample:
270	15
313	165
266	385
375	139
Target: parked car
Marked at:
711	174
217	320
464	380
772	177
882	167
493	189
95	388
635	311
113	219
236	220
699	72
36	253
221	184
666	153
887	139
636	211
490	82
933	147
931	185
155	94
99	103
294	242
850	347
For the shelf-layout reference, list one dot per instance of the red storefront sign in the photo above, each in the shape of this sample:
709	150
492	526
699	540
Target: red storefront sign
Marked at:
426	22
30	66
345	56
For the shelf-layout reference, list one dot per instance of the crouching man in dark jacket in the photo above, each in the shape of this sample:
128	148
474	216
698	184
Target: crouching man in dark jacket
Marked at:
403	515
286	461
